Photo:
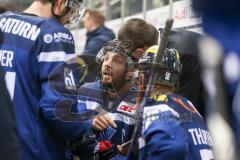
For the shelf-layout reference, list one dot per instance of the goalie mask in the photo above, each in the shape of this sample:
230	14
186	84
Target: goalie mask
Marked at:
167	71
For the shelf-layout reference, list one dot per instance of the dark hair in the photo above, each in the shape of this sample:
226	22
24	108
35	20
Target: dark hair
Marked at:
153	35
139	33
97	16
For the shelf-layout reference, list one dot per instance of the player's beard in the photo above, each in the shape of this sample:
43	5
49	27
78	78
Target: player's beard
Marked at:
116	83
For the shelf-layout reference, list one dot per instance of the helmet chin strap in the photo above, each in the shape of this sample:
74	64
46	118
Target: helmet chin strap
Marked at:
63	14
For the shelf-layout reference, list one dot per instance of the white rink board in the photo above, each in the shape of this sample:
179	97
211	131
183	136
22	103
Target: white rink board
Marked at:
183	15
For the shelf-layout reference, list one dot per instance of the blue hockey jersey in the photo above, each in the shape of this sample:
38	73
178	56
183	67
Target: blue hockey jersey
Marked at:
32	48
173	129
122	111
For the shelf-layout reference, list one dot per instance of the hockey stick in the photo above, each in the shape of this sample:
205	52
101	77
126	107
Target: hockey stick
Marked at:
144	92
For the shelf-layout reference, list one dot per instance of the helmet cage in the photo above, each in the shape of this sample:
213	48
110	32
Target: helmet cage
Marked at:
76	9
114	46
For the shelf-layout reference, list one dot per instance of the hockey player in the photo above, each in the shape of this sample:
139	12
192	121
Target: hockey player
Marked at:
8	125
35	43
219	21
113	100
172	128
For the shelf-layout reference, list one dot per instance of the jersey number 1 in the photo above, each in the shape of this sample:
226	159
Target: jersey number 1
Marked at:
10	79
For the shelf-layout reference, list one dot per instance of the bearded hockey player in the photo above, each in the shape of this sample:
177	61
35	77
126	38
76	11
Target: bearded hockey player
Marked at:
34	44
172	128
113	99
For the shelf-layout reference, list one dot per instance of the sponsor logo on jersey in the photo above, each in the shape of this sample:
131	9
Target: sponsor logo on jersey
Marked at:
48	38
62	37
58	37
125	107
20	28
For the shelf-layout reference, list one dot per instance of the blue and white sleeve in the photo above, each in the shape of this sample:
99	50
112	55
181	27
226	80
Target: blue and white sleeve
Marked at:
164	139
57	47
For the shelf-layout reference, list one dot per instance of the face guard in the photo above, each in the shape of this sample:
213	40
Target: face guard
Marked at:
114	46
76	10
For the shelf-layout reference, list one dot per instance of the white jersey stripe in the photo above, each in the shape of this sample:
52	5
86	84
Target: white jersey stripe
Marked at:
115	116
56	56
93	106
121	117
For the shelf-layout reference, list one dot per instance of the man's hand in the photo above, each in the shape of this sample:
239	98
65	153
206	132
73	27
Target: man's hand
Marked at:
103	121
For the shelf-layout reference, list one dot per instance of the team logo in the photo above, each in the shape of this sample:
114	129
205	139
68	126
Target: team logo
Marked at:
48	38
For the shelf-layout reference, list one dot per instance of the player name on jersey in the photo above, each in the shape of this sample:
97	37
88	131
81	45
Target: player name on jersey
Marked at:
6	58
20	28
200	136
